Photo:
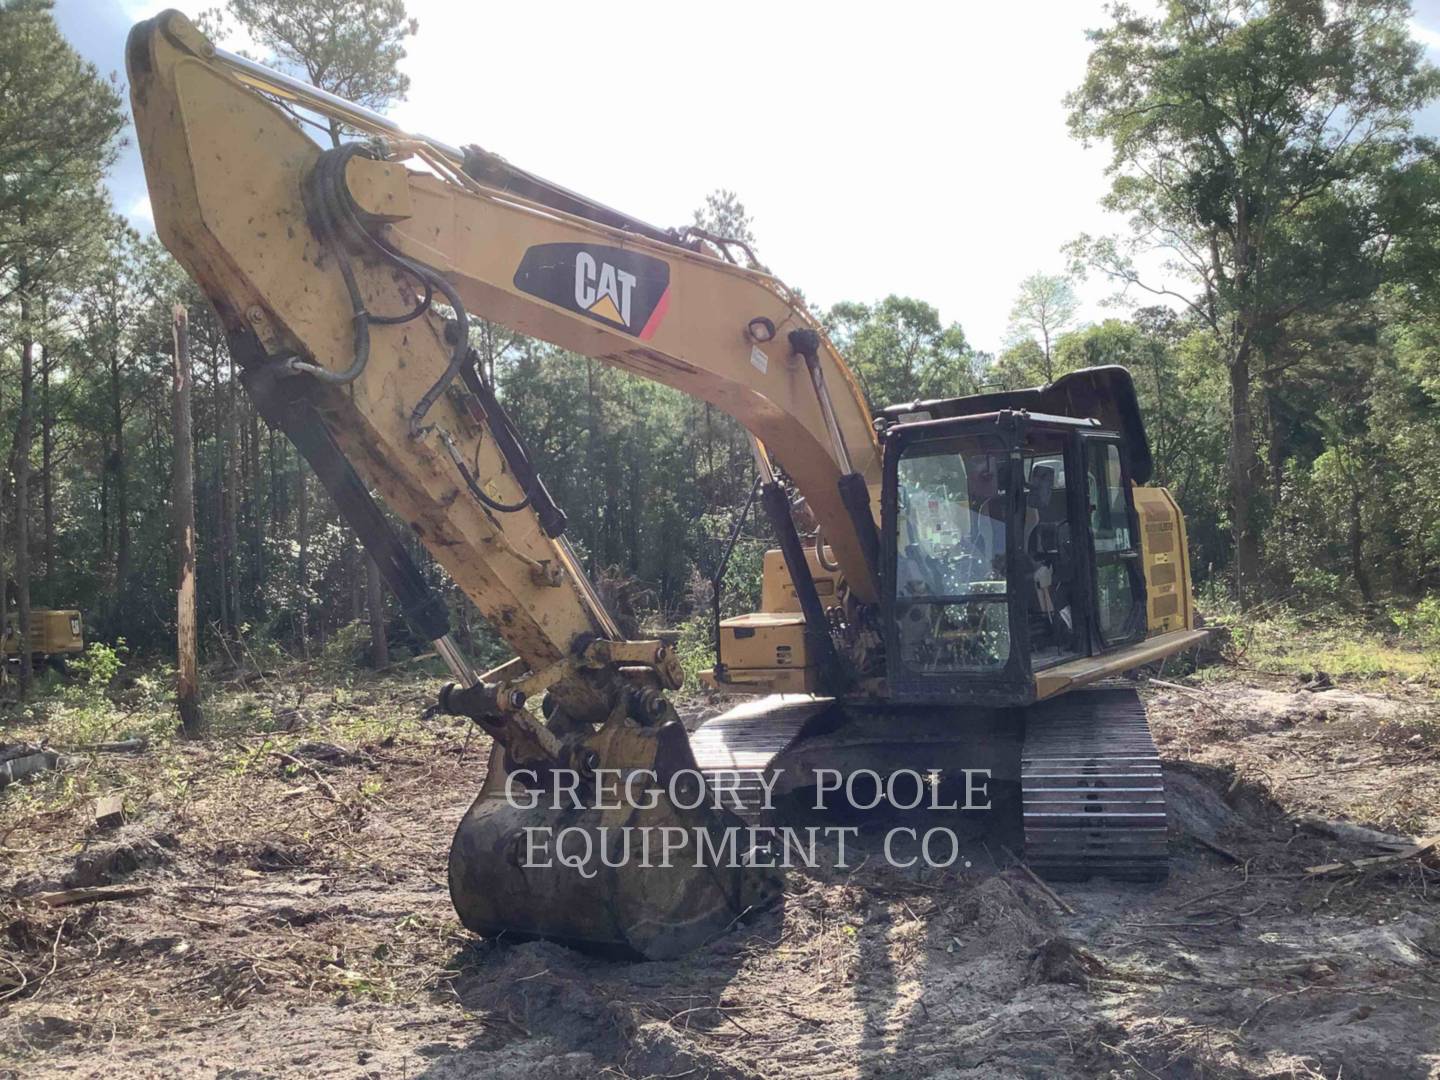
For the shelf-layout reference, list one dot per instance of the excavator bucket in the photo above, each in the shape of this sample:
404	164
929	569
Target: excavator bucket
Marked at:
633	857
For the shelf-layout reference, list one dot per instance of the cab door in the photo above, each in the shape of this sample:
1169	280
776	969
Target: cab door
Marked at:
1117	578
952	520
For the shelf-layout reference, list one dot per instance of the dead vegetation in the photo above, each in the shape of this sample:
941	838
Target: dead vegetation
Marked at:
283	907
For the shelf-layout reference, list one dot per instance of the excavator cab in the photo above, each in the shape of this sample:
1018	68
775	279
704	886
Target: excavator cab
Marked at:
1021	555
1024	553
1012	543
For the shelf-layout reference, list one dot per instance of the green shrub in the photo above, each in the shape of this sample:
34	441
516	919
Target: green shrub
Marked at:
1420	624
346	648
696	648
258	646
95	669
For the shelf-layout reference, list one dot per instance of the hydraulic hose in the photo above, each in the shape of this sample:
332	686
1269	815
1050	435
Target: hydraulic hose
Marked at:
337	219
833	568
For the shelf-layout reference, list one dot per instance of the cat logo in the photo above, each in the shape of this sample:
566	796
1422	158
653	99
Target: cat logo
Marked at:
622	289
603	291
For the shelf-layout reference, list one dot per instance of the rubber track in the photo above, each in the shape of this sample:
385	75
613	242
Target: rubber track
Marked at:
1093	793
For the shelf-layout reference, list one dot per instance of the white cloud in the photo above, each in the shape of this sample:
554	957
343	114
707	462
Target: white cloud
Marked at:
140	212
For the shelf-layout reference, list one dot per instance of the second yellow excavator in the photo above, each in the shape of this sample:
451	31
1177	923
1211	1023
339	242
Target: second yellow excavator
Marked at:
970	566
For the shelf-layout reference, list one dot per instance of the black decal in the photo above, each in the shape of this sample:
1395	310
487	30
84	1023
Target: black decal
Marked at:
625	290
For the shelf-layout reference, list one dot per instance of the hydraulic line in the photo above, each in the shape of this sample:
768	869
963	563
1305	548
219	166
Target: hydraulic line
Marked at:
717	582
512	450
834	568
328	226
337	219
470	482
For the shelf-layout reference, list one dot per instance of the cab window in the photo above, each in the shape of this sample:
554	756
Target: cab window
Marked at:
951	598
1117	560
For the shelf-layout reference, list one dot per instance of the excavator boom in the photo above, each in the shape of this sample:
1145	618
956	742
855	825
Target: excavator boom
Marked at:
603	286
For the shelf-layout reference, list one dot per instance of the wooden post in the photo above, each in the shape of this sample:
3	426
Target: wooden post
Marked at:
375	601
22	491
187	685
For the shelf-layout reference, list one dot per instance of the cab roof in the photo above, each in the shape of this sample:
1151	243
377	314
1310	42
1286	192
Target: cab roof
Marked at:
1105	394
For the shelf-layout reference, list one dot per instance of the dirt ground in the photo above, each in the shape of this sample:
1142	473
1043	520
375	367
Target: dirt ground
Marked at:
297	921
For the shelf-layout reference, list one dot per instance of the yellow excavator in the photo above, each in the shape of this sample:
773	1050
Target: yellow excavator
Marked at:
966	569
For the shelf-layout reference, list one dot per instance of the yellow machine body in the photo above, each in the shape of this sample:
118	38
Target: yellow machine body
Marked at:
765	651
1170	603
59	632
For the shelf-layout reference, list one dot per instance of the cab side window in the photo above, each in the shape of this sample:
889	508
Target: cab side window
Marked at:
1117	561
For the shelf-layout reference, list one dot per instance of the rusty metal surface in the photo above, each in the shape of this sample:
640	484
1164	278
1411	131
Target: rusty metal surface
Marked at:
1093	793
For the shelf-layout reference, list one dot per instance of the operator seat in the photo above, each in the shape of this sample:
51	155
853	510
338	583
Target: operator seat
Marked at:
987	529
1046	549
1037	499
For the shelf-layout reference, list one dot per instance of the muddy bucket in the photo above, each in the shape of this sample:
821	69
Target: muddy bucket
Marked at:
629	857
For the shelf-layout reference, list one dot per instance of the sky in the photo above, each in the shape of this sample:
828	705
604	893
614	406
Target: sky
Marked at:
912	147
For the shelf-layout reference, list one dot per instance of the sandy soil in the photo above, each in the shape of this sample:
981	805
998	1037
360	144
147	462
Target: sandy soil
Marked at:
299	923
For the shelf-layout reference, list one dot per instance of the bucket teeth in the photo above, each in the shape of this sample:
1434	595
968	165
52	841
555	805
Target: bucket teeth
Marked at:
1092	789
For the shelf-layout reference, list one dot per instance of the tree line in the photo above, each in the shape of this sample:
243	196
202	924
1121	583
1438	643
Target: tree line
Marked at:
1276	301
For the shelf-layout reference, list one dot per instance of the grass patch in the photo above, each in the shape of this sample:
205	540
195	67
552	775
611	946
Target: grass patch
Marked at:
1340	653
1283	642
247	720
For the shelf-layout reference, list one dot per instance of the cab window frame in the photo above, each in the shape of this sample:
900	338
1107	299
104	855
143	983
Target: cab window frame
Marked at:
1002	682
1133	559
